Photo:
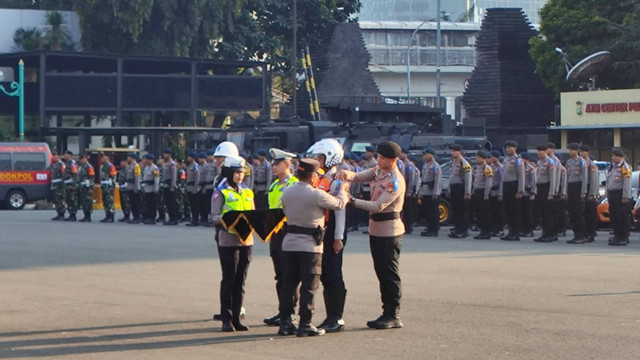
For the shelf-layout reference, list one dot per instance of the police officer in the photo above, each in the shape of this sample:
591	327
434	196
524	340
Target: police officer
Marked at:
169	181
69	177
133	174
556	202
495	200
482	175
281	167
150	188
234	253
512	189
248	172
619	197
460	189
86	178
408	172
304	206
546	181
160	205
430	190
591	204
203	209
121	179
107	186
330	154
182	199
385	228
57	186
369	158
193	187
209	179
561	220
577	188
528	198
262	171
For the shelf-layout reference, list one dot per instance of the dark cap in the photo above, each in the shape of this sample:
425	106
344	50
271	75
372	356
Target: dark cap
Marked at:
262	152
347	156
192	154
168	151
84	156
456	147
525	155
68	152
389	149
542	147
495	153
617	151
132	155
308	166
573	146
210	152
149	156
429	150
482	154
551	145
586	148
405	151
202	155
370	149
511	143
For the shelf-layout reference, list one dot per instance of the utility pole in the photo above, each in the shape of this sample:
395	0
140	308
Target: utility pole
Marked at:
294	56
438	40
413	35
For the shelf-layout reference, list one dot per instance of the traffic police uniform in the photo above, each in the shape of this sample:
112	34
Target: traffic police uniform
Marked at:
169	180
430	191
86	178
619	197
107	186
304	206
482	175
593	192
528	198
133	174
546	184
69	177
150	187
385	232
460	189
57	188
193	187
577	188
512	191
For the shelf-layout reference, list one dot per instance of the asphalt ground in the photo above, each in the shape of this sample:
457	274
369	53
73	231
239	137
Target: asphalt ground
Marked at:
119	291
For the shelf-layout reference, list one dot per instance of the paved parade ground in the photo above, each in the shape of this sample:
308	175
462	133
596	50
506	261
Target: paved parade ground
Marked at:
120	291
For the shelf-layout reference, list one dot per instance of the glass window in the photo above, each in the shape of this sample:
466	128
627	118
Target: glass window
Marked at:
380	57
28	161
5	162
399	38
427	38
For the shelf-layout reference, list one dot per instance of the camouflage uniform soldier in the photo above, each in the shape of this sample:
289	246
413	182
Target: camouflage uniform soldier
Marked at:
124	199
184	208
86	178
107	185
57	187
162	208
70	186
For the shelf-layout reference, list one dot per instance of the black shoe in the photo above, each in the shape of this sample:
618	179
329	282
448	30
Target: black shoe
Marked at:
193	224
60	217
544	239
171	222
149	222
590	239
287	328
133	221
105	220
332	325
86	219
71	218
562	234
239	326
227	327
482	236
576	241
526	234
510	237
427	233
272	321
217	317
618	242
207	224
385	322
309	330
497	234
459	235
366	232
124	219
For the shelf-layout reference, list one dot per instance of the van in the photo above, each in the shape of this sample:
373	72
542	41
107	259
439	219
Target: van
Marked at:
25	173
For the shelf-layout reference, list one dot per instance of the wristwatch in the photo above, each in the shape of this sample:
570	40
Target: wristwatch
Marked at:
352	200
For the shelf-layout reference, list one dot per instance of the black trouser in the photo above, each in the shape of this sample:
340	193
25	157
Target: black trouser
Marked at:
332	265
561	212
547	209
134	200
364	215
194	202
591	217
620	214
170	203
527	214
262	202
352	217
431	212
408	215
205	204
234	262
275	251
495	208
150	202
302	268
481	209
385	252
512	206
575	204
459	206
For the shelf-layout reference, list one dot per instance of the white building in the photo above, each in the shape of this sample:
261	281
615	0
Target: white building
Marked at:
530	7
13	19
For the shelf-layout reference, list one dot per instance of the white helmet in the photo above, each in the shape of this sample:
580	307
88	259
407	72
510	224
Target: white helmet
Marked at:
227	148
331	149
234	162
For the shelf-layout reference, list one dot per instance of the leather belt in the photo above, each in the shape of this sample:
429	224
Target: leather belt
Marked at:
293	229
384	216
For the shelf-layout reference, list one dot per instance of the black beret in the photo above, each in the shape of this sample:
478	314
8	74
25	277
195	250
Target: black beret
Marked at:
482	154
542	147
192	154
132	155
617	151
202	155
308	166
456	147
551	145
405	151
511	143
429	150
262	152
495	153
573	146
586	148
389	149
168	151
84	156
211	152
68	152
525	155
149	156
370	149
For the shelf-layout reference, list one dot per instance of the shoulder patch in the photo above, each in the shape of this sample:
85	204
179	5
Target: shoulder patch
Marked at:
136	170
436	168
393	186
466	167
518	161
626	170
552	163
488	172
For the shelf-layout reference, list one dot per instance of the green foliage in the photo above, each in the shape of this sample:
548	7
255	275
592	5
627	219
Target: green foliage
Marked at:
582	27
37	4
26	39
54	36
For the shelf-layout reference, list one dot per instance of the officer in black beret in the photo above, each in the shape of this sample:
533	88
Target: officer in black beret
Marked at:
482	175
430	191
512	189
593	191
577	188
619	197
460	182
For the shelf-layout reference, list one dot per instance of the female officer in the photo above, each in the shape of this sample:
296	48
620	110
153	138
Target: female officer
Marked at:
234	254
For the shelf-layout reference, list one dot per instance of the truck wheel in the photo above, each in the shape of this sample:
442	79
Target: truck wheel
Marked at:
444	207
15	200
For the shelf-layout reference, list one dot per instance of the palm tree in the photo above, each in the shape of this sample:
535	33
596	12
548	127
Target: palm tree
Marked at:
56	34
26	39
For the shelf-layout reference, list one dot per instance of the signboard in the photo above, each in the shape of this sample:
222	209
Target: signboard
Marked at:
24	177
610	107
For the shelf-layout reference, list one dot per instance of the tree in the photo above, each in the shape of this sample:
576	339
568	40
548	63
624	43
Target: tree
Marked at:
38	4
27	39
56	34
582	27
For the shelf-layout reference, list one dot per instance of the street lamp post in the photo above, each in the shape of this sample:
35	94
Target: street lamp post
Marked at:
413	35
17	90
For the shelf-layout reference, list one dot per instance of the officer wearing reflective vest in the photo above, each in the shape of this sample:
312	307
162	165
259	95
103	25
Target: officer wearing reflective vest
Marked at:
329	153
107	186
281	167
234	253
133	175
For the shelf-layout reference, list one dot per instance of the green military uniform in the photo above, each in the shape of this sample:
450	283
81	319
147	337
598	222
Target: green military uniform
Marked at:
69	177
86	177
57	189
121	179
107	185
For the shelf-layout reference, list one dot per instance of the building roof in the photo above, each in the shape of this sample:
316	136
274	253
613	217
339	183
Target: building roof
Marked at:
412	25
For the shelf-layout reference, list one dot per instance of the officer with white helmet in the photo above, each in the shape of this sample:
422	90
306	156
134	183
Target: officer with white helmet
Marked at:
330	154
224	149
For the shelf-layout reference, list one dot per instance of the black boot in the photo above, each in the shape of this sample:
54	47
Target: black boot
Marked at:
272	321
334	322
237	324
125	218
72	217
309	330
388	320
227	327
59	217
86	218
287	327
